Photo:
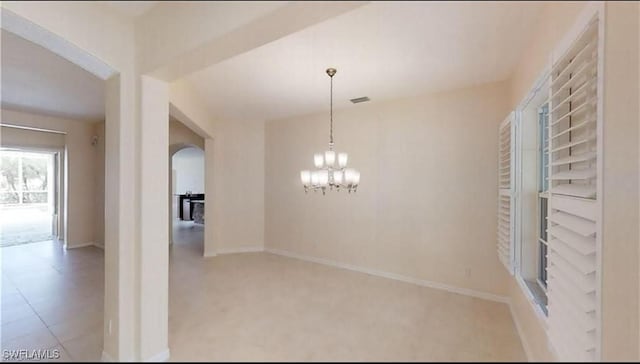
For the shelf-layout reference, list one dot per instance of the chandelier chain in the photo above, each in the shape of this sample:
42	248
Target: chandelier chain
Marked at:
331	117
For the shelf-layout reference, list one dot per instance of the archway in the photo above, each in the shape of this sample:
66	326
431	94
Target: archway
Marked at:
185	133
187	194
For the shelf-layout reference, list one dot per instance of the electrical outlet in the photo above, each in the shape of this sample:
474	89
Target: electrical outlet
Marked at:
467	272
109	327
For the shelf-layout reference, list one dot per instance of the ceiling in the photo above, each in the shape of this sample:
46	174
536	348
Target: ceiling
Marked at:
132	9
37	80
383	50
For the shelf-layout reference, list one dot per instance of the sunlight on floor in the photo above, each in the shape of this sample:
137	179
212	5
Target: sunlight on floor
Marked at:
24	224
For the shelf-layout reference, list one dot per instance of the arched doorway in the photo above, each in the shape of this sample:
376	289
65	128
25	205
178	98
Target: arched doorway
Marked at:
187	187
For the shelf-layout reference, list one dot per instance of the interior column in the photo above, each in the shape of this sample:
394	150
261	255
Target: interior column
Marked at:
154	214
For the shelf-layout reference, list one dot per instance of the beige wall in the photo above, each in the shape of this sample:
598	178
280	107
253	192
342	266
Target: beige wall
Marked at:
239	188
620	221
426	207
189	108
99	183
84	161
620	330
20	137
555	19
532	333
179	134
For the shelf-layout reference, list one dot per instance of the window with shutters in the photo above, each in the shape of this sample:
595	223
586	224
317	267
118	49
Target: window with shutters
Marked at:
574	206
532	194
543	196
505	192
553	203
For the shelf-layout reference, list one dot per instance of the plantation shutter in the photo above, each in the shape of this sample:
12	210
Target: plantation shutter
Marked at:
505	191
573	207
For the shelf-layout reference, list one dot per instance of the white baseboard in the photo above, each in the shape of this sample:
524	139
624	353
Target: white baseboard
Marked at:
523	338
84	245
394	276
159	357
242	249
80	245
106	357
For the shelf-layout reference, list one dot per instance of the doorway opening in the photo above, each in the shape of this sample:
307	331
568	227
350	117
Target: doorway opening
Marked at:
29	196
187	193
52	196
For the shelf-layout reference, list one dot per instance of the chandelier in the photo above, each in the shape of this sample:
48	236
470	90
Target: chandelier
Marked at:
331	167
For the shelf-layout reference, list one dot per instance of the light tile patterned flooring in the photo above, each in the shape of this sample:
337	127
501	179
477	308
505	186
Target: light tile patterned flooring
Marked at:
52	299
263	307
257	306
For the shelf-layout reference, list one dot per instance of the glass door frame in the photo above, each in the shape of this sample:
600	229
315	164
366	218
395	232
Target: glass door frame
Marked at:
57	188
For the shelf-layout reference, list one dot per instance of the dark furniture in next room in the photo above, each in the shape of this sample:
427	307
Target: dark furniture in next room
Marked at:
185	207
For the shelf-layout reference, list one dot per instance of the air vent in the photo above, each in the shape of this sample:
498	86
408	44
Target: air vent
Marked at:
360	99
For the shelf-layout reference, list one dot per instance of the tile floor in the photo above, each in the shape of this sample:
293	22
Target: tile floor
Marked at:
52	299
262	307
253	306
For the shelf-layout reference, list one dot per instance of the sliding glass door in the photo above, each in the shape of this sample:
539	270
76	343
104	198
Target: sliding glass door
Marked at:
27	196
